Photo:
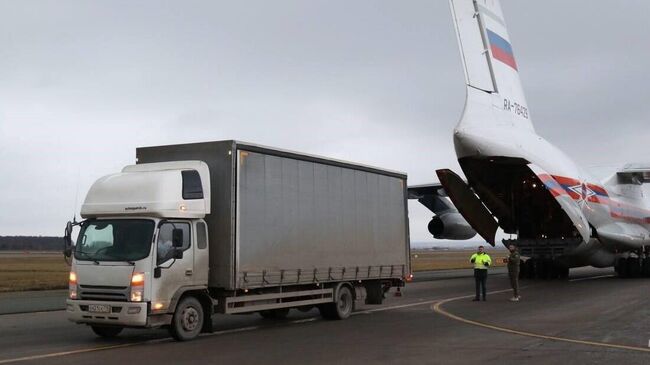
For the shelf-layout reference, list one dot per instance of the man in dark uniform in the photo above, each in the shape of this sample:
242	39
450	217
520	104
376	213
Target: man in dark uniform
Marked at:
513	272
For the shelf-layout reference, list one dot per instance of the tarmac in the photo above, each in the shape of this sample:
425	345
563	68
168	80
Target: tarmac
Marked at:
594	318
32	301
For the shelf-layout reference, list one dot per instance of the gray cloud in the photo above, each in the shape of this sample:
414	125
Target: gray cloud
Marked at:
377	82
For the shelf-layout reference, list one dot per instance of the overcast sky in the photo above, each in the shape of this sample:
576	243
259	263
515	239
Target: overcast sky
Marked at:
82	83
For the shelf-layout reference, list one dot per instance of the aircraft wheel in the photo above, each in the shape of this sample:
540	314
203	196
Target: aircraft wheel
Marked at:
621	264
633	267
646	267
564	273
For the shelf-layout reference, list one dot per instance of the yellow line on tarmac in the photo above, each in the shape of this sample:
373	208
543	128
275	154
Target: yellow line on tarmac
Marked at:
440	310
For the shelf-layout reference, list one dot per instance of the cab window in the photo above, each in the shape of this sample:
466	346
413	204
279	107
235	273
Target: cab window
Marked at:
165	246
192	188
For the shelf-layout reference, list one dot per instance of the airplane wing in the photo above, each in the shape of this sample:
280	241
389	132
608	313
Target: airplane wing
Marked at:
447	222
628	235
431	196
635	173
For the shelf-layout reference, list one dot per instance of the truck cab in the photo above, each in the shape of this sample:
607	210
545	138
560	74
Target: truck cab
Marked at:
143	243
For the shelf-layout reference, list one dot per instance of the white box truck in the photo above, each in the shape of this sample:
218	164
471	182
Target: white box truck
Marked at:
229	227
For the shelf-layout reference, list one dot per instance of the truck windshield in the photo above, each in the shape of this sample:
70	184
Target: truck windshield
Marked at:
114	240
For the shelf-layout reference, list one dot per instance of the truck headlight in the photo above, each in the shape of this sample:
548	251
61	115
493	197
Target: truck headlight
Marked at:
137	287
136	295
72	285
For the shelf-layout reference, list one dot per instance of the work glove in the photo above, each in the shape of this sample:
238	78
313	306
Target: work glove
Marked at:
472	260
486	264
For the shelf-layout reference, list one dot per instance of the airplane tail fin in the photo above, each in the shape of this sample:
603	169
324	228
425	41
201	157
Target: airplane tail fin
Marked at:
491	71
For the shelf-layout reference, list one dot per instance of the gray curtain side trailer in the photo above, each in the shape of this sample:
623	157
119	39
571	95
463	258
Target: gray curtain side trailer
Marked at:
294	230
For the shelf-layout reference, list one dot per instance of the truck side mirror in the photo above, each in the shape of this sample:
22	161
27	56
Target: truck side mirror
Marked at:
178	253
67	240
177	237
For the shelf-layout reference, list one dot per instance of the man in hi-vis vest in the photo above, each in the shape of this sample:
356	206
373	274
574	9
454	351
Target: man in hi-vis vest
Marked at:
481	261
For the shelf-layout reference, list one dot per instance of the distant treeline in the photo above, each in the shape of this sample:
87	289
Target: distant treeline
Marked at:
40	243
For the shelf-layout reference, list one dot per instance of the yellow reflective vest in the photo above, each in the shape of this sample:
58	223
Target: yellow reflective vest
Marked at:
480	259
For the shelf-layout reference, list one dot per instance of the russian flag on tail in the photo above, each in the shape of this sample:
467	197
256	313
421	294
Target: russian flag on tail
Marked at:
501	49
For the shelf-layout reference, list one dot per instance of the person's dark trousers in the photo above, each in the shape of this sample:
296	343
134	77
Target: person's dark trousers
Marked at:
514	281
480	277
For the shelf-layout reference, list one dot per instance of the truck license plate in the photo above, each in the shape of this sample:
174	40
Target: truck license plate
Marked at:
99	308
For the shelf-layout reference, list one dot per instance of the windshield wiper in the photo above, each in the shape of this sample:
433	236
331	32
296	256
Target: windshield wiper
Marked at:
87	255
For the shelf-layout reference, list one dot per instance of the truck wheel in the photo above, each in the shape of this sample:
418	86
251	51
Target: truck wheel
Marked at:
280	313
188	319
107	331
342	308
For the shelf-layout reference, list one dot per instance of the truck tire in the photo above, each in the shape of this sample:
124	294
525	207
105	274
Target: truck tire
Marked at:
341	308
280	313
107	331
188	319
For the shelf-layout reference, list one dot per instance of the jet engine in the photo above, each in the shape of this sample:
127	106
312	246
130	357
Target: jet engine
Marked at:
450	226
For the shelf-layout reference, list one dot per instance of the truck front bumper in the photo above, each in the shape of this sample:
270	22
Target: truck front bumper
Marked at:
127	314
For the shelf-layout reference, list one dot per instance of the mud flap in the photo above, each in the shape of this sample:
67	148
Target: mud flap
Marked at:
568	205
469	205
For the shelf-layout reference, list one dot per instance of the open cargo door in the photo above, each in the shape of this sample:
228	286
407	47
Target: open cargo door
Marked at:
567	203
469	205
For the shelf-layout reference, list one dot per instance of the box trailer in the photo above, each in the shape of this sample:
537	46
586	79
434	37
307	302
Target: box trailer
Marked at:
232	227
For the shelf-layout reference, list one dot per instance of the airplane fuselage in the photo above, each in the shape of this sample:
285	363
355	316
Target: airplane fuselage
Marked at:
519	176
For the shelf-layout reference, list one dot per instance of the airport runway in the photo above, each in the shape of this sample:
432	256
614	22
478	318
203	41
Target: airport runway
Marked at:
594	318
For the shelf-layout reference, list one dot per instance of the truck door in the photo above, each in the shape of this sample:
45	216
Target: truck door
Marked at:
174	273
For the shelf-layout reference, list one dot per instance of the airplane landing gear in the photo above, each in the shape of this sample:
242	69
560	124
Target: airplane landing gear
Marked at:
632	267
547	269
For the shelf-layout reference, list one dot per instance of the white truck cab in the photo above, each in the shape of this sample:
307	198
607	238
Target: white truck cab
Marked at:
142	243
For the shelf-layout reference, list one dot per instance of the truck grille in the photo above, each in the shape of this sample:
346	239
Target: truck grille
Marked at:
104	292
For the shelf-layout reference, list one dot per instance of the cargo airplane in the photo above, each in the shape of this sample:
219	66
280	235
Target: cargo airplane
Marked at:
559	216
